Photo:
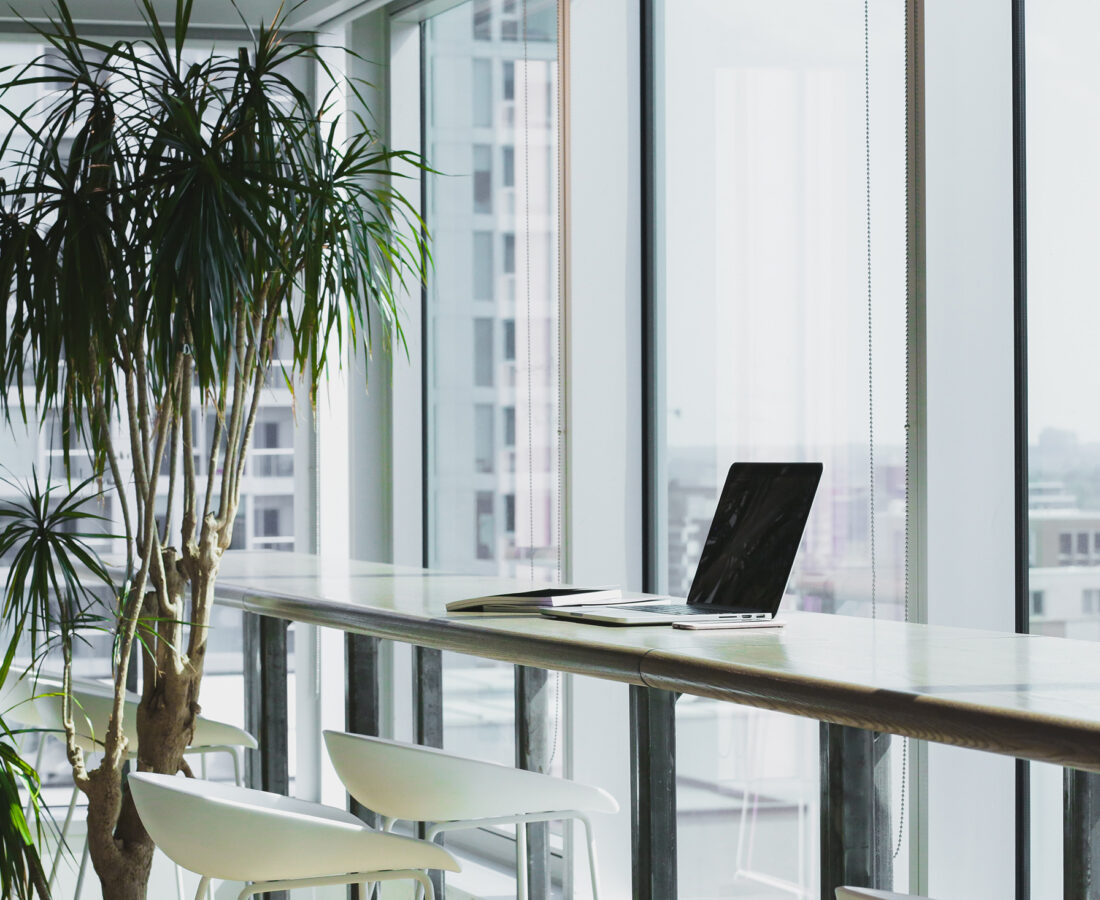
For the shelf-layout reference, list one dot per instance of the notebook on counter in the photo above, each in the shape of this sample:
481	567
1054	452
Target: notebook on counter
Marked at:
539	598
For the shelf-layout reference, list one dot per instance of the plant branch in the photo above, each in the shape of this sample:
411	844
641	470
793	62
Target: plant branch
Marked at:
189	486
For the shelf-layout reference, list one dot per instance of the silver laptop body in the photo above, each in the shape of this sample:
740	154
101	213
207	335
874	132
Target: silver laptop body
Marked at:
746	560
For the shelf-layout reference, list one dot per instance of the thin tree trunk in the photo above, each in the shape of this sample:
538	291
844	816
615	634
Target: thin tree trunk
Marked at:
120	848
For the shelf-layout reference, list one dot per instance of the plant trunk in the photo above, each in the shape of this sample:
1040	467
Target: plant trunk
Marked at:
122	855
121	849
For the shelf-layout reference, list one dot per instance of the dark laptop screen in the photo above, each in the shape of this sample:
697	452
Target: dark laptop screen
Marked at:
755	534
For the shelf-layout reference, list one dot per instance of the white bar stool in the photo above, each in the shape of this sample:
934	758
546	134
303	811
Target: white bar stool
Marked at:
854	893
36	702
271	842
422	784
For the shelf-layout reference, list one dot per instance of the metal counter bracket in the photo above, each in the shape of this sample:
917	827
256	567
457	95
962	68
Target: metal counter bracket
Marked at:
1081	830
533	751
265	671
653	792
855	809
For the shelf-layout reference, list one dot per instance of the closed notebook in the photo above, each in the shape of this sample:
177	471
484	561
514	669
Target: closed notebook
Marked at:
538	598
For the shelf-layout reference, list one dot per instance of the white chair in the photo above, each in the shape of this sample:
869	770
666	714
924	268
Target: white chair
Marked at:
36	702
271	842
854	893
421	784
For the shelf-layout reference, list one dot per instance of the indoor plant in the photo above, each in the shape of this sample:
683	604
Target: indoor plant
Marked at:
164	219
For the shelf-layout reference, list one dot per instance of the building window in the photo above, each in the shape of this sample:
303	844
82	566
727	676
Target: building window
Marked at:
483	93
483	438
1090	601
510	513
508	166
510	341
510	253
483	20
509	87
1083	545
483	265
1037	602
1065	549
485	525
483	352
483	178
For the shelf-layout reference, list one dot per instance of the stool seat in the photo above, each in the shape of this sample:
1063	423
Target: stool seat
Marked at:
92	706
238	834
423	784
449	793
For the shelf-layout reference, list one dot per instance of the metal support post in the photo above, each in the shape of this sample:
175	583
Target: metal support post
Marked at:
265	671
855	809
653	792
362	708
1081	835
533	751
428	720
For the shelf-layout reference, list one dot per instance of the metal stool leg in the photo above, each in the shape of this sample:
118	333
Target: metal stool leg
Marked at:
591	841
521	861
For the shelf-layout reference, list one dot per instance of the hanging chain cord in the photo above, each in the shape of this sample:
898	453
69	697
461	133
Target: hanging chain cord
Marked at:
558	699
530	361
871	385
905	741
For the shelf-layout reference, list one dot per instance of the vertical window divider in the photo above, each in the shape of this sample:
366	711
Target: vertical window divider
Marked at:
916	452
1019	315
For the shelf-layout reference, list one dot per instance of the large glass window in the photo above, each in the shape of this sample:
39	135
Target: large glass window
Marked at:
492	318
761	275
493	294
1063	190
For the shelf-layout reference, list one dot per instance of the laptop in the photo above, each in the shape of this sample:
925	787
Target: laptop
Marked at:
746	561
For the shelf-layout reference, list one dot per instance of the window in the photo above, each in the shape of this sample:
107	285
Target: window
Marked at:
480	306
483	437
761	350
483	20
485	525
483	352
1065	549
483	178
483	265
483	93
1037	602
1063	189
509	512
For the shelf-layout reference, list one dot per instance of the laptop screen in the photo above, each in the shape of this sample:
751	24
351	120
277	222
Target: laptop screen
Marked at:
755	534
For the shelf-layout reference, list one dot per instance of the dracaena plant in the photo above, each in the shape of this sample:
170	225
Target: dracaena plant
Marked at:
49	596
163	218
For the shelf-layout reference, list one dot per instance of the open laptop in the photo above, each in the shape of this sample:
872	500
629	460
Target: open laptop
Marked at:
747	559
